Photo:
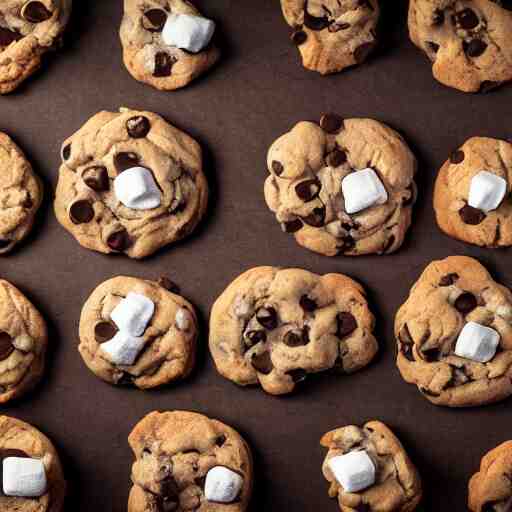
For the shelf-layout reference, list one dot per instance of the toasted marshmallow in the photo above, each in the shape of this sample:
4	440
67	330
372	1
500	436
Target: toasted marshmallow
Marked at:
486	191
133	314
222	485
362	189
136	189
23	477
123	348
188	32
477	342
354	471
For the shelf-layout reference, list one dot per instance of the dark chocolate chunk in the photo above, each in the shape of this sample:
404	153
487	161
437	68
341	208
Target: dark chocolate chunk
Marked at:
36	12
138	127
163	64
81	212
438	18
427	392
307	190
346	324
104	331
66	152
348	243
96	178
313	22
307	304
336	158
169	488
277	167
316	218
457	157
336	27
331	123
471	216
157	19
431	354
448	279
220	440
125	160
465	303
267	317
474	48
256	337
299	37
434	47
6	346
298	375
406	343
293	226
297	338
119	241
169	285
488	86
262	363
8	36
467	19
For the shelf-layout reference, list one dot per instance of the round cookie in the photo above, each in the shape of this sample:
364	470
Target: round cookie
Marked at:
164	164
449	294
146	55
19	439
275	326
167	349
21	193
490	489
451	194
175	453
469	43
307	167
28	29
397	486
332	35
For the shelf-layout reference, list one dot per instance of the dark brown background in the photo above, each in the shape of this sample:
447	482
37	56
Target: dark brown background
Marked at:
256	93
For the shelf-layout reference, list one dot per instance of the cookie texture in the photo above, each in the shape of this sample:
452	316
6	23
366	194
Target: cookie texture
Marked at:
21	193
454	216
448	294
490	489
275	326
332	35
19	439
169	349
174	452
110	143
148	58
469	43
304	189
398	485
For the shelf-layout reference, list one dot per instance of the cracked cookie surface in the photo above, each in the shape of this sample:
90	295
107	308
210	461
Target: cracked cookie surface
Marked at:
275	326
304	189
105	147
332	35
174	452
448	294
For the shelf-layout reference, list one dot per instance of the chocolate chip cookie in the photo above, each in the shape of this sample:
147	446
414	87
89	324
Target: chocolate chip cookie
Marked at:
179	458
21	193
468	42
275	326
343	186
130	183
147	55
161	351
449	295
490	489
397	484
459	219
332	35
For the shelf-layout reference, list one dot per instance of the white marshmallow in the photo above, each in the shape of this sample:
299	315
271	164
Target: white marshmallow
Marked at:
222	485
362	189
192	33
123	348
182	319
354	471
477	342
486	191
23	477
133	314
136	189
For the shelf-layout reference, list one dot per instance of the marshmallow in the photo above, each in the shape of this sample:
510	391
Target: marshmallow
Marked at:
133	314
188	32
136	189
486	191
354	471
182	319
23	477
222	485
123	348
362	189
477	342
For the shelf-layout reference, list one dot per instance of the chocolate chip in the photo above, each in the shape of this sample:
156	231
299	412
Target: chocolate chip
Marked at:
138	127
293	226
336	158
448	279
488	86
125	160
81	212
336	27
467	19
307	304
316	218
119	241
474	48
438	18
346	324
169	488
262	363
169	285
389	243
465	303
410	199
36	12
267	317
126	379
337	367
256	337
277	167
96	178
297	338
298	375
362	52
299	37
471	216
406	342
66	152
314	23
307	190
6	346
13	452
157	19
427	392
163	64
457	157
8	36
104	331
220	440
434	47
331	123
431	354
348	243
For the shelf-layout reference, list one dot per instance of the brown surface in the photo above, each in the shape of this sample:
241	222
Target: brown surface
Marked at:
258	91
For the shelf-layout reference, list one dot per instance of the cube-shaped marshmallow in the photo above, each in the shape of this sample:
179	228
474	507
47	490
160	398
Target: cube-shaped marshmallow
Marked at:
477	342
136	189
354	471
123	348
222	485
188	32
486	191
133	314
23	477
362	189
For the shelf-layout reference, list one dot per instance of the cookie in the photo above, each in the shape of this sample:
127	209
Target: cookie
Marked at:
130	183
490	489
152	52
138	332
21	193
451	295
469	43
186	461
396	483
319	192
28	30
22	441
332	35
275	326
460	183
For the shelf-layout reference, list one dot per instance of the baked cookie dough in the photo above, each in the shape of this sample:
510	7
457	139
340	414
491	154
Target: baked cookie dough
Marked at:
130	183
134	331
21	193
275	326
343	186
28	29
468	42
464	179
20	440
396	483
451	296
186	461
332	35
149	57
490	489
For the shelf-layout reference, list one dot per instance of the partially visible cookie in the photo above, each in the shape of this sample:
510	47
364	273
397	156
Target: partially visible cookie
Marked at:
396	483
186	461
332	35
